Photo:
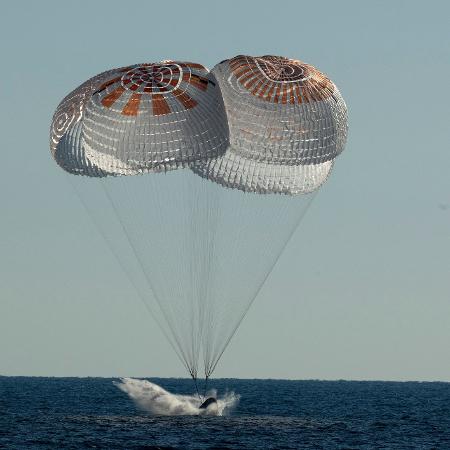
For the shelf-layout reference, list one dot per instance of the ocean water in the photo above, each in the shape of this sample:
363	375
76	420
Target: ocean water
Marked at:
76	413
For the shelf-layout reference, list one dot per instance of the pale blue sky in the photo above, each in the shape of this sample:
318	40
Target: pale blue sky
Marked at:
369	298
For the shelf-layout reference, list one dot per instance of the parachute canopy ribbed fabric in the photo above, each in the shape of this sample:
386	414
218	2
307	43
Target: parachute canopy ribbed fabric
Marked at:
265	124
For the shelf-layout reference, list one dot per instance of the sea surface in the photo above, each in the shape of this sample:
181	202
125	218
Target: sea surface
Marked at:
76	413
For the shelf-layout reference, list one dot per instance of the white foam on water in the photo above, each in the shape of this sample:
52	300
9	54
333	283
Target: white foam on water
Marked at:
156	400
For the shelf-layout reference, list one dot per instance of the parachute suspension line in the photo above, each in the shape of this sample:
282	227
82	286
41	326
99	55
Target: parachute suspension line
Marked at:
189	211
228	253
204	222
175	291
215	301
260	286
159	204
210	367
198	219
153	193
201	212
204	212
173	245
122	265
172	289
235	228
180	353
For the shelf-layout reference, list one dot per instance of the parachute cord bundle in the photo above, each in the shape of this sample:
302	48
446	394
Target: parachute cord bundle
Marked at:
269	254
124	254
203	270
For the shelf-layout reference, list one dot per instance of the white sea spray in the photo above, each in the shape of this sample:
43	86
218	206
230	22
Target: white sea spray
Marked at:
156	400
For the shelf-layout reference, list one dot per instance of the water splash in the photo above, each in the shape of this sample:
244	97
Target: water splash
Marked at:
156	400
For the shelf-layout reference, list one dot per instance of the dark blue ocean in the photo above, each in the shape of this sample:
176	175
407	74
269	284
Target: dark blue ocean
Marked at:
76	413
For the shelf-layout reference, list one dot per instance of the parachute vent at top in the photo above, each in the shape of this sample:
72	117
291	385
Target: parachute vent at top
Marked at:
201	227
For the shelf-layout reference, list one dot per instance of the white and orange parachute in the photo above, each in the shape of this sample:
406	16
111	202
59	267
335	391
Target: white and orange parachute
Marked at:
191	164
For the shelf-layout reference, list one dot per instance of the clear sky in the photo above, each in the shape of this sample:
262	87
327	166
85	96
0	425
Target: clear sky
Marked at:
369	296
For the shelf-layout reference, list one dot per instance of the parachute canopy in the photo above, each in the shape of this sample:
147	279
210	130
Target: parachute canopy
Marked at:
287	123
139	119
183	170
